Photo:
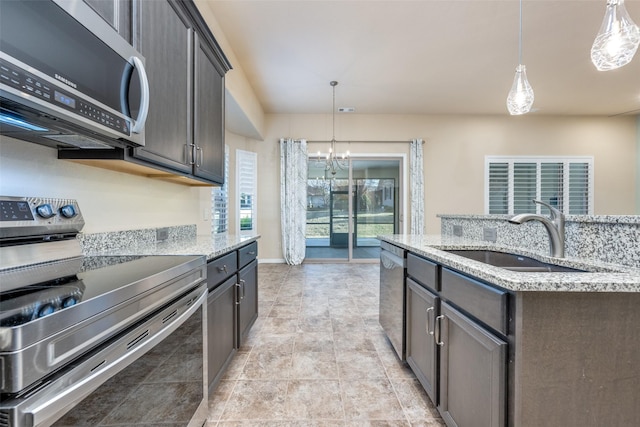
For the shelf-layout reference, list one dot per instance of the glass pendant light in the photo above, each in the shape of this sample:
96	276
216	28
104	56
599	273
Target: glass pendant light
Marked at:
618	38
520	97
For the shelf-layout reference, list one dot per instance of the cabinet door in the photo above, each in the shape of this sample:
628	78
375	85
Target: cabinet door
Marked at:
473	368
117	13
164	37
221	329
422	309
247	294
208	114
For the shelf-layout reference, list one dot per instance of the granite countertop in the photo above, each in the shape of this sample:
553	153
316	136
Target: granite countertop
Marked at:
600	277
595	219
209	246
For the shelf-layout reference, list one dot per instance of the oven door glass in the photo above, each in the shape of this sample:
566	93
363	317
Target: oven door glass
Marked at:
163	387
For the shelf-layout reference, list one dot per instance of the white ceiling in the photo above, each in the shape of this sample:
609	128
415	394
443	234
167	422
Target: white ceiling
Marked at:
425	56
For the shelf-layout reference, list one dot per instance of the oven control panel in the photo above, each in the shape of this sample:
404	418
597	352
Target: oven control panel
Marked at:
37	216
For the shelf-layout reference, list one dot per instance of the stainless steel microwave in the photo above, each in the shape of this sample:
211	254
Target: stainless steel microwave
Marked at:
67	79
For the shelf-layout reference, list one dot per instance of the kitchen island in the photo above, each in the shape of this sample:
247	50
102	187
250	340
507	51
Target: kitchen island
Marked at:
552	348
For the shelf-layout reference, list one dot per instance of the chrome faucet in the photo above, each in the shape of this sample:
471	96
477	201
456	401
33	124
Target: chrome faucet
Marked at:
554	226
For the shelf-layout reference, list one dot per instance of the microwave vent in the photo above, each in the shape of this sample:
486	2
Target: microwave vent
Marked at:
80	141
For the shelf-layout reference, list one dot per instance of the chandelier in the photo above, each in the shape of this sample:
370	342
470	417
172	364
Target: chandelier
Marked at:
334	161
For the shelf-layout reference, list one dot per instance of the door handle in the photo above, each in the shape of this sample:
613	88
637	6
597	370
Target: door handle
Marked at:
199	155
243	283
222	269
438	331
192	159
429	310
238	296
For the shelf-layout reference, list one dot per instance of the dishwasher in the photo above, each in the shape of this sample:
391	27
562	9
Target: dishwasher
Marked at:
392	295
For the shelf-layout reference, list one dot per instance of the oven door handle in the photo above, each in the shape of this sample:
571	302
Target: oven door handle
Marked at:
96	370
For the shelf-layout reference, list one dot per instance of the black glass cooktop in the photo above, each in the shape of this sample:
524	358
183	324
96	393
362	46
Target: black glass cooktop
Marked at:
112	278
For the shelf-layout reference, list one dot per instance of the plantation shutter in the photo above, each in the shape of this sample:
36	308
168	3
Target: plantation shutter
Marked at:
552	184
247	164
498	188
524	186
579	188
220	201
512	183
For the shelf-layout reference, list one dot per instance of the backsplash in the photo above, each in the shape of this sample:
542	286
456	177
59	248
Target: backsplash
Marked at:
607	238
101	243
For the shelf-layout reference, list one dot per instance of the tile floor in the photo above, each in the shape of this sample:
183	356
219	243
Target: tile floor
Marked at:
317	357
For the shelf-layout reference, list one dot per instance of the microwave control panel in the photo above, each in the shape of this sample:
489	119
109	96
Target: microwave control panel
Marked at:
30	85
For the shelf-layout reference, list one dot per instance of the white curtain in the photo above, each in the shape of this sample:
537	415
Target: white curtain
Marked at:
417	187
293	199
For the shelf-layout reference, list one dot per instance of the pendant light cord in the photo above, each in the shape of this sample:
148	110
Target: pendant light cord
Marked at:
520	37
333	112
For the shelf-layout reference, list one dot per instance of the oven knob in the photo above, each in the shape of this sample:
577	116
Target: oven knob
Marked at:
45	211
68	211
69	302
46	310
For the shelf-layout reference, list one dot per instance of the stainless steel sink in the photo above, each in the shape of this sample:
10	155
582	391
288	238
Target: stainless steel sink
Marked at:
512	262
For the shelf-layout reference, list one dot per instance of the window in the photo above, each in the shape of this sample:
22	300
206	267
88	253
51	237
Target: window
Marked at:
563	182
220	201
247	165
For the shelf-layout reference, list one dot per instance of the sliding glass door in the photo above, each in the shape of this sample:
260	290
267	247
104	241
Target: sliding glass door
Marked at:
346	212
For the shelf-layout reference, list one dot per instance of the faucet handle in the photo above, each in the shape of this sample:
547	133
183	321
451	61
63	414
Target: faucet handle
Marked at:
555	213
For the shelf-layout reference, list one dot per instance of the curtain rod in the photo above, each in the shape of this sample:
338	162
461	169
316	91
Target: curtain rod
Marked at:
368	142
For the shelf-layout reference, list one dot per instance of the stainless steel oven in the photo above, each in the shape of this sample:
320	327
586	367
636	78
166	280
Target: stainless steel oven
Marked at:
392	295
96	341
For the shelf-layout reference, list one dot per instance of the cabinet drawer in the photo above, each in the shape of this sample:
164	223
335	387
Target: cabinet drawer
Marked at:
483	302
247	253
221	268
423	271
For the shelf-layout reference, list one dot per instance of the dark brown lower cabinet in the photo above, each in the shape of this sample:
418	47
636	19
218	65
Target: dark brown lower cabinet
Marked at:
422	354
473	371
232	307
221	329
247	289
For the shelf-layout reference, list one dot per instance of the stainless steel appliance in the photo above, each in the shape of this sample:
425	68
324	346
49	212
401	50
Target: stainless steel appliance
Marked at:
67	78
95	340
392	295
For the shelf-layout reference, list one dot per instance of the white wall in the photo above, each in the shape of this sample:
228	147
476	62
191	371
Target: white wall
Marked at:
454	152
108	200
454	158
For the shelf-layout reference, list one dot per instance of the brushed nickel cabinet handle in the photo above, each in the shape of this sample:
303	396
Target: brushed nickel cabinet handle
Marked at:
429	310
238	297
438	330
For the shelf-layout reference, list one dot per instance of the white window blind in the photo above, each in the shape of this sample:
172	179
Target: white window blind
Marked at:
511	183
220	201
247	171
